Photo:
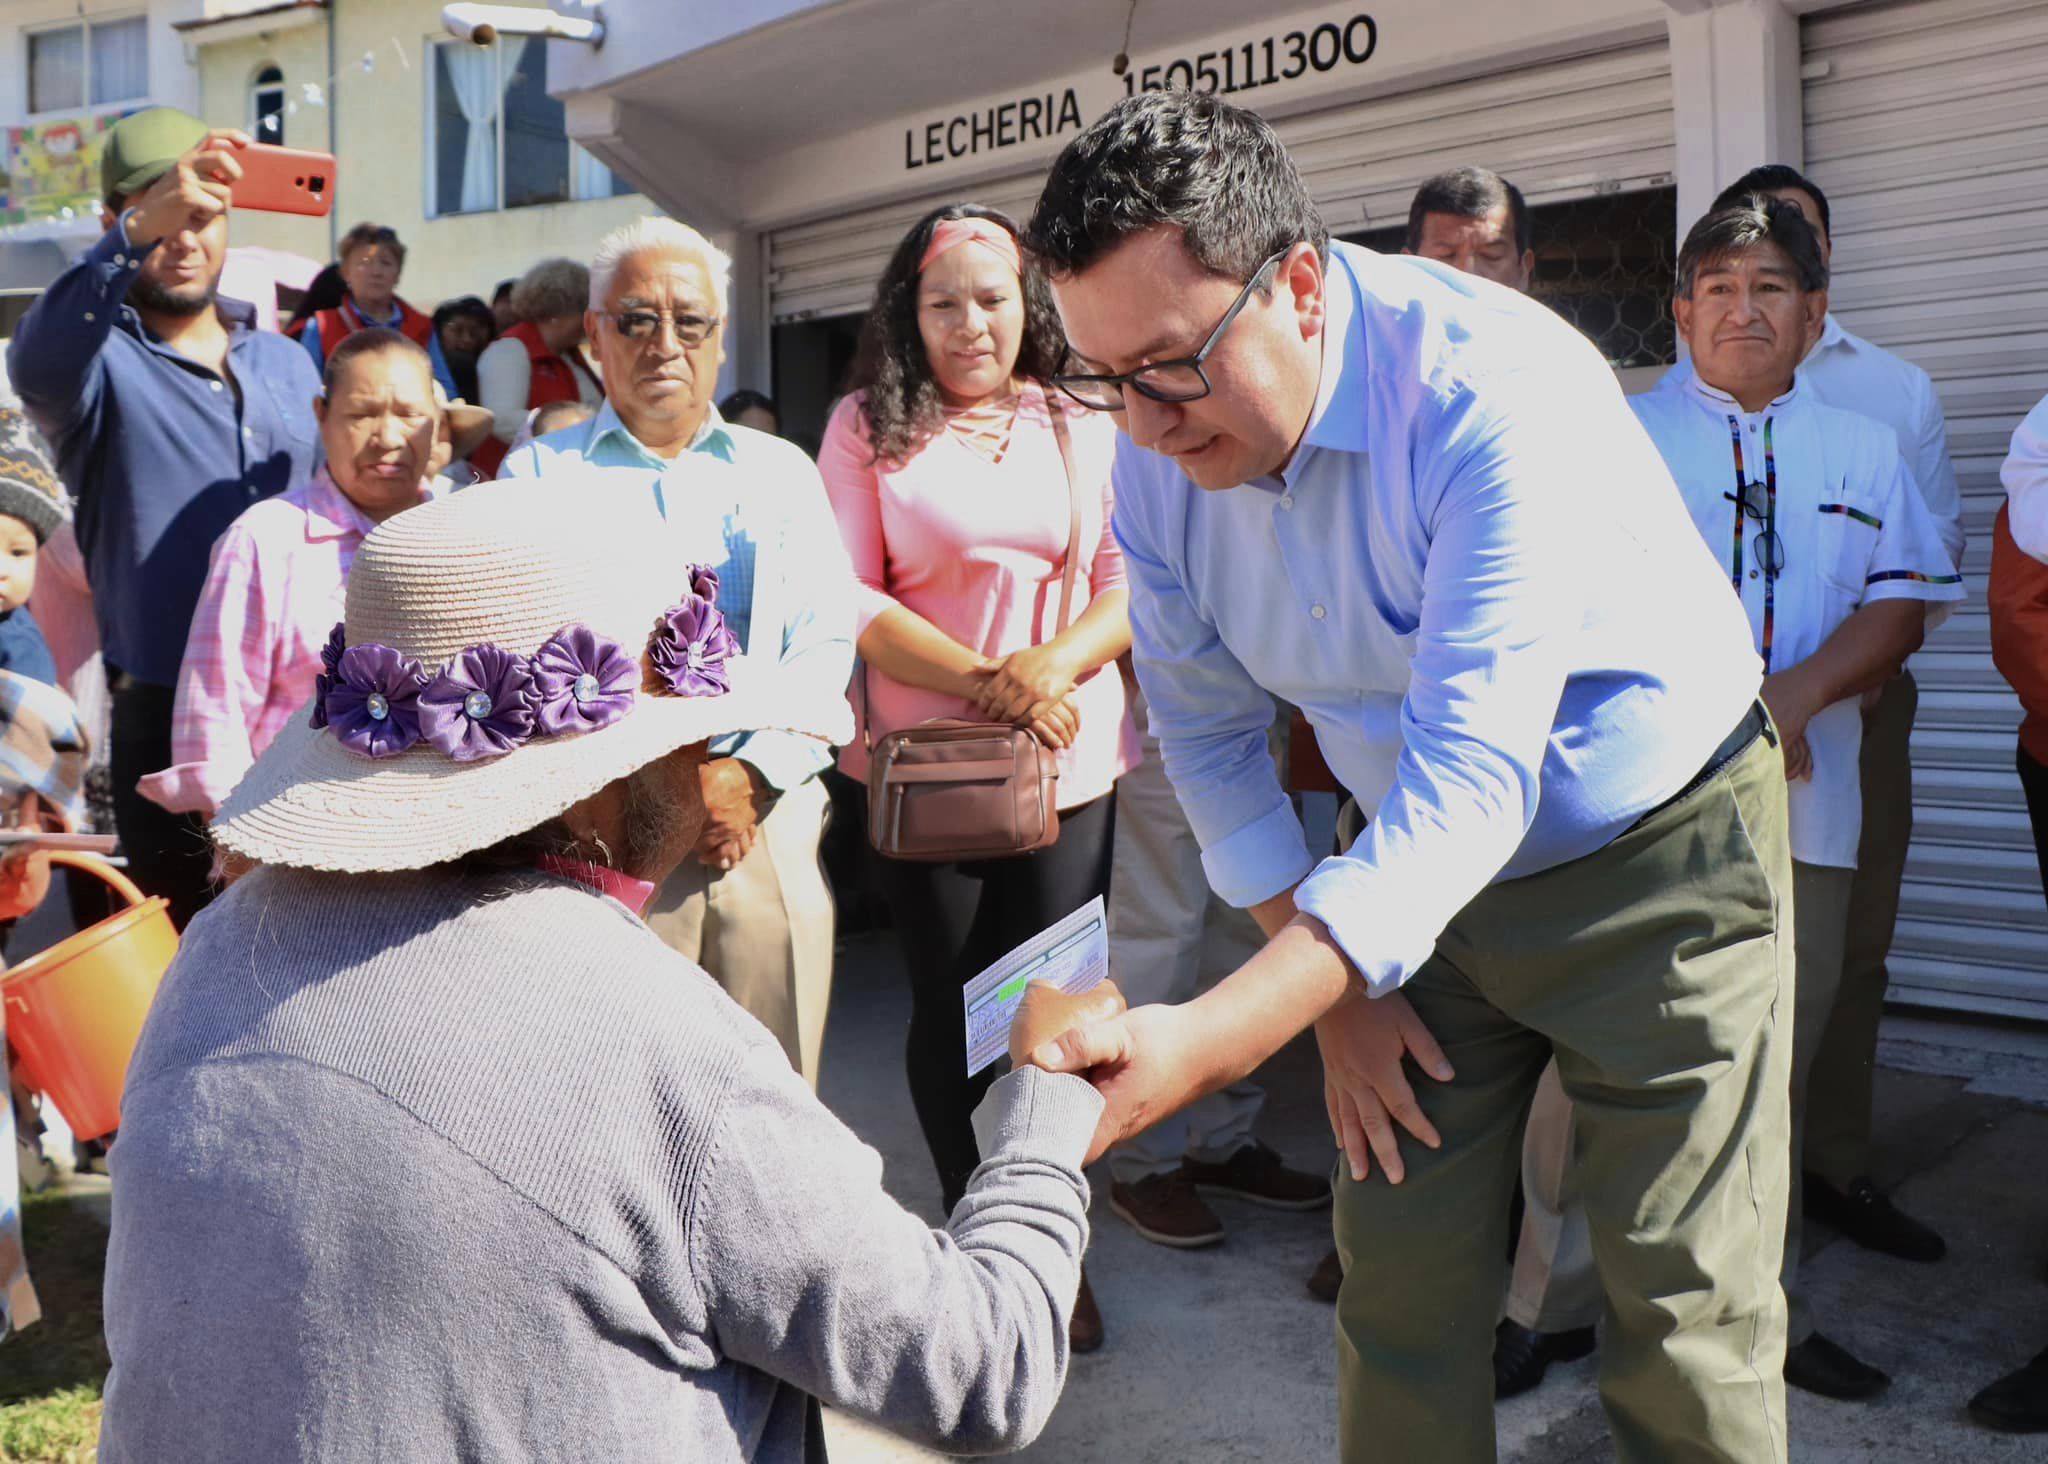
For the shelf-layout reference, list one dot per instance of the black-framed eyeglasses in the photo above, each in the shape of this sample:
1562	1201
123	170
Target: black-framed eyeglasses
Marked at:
1179	380
641	325
1769	549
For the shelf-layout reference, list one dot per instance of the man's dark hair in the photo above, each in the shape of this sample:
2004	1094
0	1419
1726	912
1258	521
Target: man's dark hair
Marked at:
747	399
1775	178
505	288
1470	193
904	407
371	341
1757	219
324	292
1212	170
463	305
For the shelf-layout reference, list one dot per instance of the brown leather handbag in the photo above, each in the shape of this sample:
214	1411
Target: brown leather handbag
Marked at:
952	789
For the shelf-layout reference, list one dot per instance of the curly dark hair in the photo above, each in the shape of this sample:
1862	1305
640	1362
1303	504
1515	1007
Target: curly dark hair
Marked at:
903	407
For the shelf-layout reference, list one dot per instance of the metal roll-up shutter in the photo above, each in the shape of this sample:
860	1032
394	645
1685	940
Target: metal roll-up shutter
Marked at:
1927	124
830	267
1572	128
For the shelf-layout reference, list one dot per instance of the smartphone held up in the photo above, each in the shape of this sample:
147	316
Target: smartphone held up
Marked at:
284	180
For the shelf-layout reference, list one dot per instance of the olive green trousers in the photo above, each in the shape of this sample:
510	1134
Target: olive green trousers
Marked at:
1659	970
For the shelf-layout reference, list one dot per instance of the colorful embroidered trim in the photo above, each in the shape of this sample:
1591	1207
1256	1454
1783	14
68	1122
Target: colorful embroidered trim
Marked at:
1855	513
1770	526
487	700
1915	576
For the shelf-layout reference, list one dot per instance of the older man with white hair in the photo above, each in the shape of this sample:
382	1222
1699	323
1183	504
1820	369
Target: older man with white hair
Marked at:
751	905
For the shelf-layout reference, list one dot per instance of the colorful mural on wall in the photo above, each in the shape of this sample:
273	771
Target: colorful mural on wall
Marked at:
53	167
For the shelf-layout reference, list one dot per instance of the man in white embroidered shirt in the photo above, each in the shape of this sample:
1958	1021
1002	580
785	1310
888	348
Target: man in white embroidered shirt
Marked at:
1845	371
1415	504
1837	561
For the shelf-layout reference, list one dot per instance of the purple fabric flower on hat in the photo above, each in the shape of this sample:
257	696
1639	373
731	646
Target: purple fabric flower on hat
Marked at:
582	681
481	704
704	581
330	658
373	705
688	651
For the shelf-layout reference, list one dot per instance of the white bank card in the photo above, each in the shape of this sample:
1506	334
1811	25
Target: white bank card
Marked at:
1072	954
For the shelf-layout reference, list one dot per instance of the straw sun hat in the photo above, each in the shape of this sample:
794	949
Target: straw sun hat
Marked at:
505	656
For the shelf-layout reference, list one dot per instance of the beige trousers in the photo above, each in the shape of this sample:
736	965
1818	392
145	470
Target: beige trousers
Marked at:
1554	1286
1170	938
763	929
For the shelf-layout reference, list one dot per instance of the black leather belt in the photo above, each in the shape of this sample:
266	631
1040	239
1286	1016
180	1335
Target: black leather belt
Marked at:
1754	724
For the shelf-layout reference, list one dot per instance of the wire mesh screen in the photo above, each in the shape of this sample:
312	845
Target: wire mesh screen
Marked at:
1605	265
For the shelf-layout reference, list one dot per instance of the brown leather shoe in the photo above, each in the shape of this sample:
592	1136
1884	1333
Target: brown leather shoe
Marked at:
1255	1173
1084	1332
1327	1279
1165	1209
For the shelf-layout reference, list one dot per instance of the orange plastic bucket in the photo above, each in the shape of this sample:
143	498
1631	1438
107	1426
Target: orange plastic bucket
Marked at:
75	1011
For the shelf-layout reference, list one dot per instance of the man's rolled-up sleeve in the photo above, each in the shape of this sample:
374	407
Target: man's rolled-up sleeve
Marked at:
1488	673
1211	719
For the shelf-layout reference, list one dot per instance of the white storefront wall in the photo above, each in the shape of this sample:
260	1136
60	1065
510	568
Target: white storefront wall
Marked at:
1925	119
1927	123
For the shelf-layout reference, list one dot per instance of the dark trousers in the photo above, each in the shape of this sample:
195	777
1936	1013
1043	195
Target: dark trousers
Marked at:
954	920
169	854
2034	782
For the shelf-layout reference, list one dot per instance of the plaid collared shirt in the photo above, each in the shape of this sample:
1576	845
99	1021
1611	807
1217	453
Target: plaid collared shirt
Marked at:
276	588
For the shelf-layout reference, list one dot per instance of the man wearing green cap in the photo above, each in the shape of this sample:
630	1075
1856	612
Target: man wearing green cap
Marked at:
170	414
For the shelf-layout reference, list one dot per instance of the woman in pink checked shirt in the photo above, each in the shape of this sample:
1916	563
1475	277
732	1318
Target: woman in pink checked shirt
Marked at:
275	590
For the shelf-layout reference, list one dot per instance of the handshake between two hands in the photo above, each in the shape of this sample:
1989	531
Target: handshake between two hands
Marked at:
1148	1062
1065	1033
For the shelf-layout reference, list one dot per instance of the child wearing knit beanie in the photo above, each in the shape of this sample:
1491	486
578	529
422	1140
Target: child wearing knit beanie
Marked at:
32	505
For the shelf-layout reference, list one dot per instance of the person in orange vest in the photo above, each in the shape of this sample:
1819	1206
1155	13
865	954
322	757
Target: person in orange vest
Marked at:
539	360
371	259
2017	597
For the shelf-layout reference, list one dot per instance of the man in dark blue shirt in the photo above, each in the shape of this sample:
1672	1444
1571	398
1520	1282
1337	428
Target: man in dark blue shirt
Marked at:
170	414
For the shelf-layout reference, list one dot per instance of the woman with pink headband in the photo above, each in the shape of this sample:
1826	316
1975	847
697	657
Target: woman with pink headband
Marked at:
952	496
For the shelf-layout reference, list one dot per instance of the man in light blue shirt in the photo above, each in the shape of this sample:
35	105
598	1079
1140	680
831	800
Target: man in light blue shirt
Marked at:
1416	505
752	907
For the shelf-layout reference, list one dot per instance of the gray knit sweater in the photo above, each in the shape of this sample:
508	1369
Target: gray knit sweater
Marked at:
439	1168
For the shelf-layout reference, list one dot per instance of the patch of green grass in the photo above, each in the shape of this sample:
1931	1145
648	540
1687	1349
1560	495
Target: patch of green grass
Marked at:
51	1373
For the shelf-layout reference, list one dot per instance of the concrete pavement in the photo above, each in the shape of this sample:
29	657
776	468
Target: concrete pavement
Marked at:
1221	1356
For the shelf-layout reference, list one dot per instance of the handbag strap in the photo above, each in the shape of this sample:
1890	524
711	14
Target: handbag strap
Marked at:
1067	572
1066	442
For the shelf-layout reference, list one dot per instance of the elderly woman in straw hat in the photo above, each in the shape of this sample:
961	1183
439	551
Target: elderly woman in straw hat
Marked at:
431	1150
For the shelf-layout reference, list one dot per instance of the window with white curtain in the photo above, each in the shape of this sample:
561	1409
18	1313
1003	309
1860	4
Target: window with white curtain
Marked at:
496	139
119	67
266	105
56	69
589	178
98	64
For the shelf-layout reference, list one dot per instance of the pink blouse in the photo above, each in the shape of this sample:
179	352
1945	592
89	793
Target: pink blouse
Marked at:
977	548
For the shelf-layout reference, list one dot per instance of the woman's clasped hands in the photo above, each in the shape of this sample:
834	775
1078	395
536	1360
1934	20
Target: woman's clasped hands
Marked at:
1034	689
